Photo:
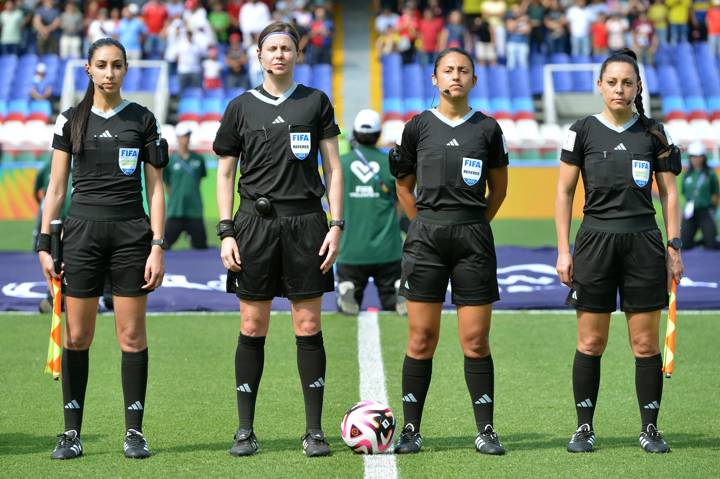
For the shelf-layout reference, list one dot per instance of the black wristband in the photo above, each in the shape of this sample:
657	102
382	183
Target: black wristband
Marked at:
226	229
227	234
43	243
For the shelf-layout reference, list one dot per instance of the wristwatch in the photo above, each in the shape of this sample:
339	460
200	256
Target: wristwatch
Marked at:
339	223
158	242
675	243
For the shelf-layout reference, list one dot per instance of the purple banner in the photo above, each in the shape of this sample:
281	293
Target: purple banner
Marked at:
195	281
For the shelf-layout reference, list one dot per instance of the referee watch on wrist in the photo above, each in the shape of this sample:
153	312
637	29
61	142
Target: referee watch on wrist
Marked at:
675	243
158	242
339	223
225	229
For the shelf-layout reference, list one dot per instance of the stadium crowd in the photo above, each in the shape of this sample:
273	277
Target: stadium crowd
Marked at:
209	43
514	30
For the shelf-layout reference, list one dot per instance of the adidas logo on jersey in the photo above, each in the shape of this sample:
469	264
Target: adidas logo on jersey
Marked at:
652	405
453	142
585	403
484	399
409	398
278	120
72	405
621	147
136	406
244	388
105	134
318	384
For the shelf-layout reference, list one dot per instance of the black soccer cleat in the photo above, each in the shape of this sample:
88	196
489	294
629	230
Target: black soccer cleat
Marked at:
582	440
410	442
246	443
488	442
346	299
315	445
135	447
69	446
651	440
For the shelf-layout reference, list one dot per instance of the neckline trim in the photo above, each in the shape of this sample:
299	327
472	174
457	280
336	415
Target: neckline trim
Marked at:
452	123
111	113
279	99
621	128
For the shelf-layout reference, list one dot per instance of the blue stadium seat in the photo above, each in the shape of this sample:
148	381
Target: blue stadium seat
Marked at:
193	92
322	78
18	110
562	80
497	81
478	97
412	90
231	93
189	109
536	79
430	91
212	109
174	85
582	81
651	80
670	85
132	80
40	110
217	93
150	78
673	105
664	54
519	82
392	86
3	110
81	78
303	74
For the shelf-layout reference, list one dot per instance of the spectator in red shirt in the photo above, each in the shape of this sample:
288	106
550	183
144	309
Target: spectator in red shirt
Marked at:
429	29
644	38
407	27
155	15
712	21
599	35
320	37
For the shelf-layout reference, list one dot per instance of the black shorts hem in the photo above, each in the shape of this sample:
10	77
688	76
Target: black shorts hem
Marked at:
251	296
91	294
420	298
311	295
644	309
131	294
592	309
476	302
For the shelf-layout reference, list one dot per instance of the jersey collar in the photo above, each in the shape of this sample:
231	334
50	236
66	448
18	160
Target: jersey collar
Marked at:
620	128
452	123
111	113
279	99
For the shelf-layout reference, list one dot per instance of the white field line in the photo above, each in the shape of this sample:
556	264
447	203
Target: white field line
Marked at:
372	386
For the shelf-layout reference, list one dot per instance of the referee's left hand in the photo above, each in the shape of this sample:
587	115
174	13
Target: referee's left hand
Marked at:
675	267
331	246
154	269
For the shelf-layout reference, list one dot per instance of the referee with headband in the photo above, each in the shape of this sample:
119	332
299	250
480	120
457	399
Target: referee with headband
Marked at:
279	243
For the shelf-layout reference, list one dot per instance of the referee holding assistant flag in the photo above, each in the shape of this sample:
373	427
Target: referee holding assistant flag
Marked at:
279	242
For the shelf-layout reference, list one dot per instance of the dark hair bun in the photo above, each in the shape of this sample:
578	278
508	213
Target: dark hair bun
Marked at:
627	52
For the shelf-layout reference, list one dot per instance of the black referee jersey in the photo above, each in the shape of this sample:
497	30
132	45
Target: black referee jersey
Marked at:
106	177
452	158
617	165
277	140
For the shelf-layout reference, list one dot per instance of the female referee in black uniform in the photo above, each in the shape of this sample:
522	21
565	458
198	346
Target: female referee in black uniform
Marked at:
619	246
106	229
279	243
451	152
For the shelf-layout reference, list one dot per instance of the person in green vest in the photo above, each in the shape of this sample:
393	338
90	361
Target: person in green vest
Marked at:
371	245
700	189
182	179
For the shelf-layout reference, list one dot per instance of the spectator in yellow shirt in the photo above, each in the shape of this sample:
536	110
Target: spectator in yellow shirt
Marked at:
678	16
657	13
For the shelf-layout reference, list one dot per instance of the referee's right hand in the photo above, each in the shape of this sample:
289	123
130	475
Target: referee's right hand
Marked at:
48	268
230	254
564	268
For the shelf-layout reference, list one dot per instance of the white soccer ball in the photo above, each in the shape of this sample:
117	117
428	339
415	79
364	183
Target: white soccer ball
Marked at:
368	427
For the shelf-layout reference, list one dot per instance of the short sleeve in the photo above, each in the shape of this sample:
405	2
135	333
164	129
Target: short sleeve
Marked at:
228	141
328	127
409	143
572	147
498	152
61	133
151	128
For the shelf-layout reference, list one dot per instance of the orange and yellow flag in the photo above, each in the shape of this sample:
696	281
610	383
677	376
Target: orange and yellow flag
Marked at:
669	355
52	365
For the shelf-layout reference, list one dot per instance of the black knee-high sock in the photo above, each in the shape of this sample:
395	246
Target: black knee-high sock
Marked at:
586	382
74	382
649	386
134	383
311	366
416	377
249	363
480	380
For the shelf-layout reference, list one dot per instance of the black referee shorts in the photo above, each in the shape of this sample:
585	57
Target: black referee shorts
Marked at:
279	257
633	263
463	253
91	248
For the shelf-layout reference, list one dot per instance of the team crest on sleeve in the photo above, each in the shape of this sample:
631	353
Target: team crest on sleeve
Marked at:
128	159
569	143
471	170
641	172
300	143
